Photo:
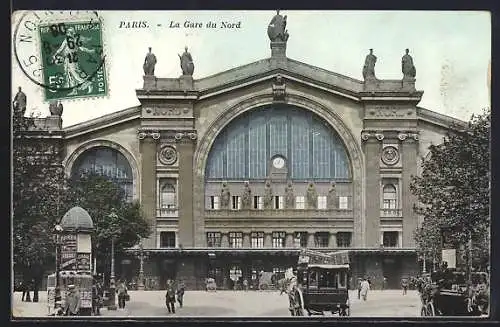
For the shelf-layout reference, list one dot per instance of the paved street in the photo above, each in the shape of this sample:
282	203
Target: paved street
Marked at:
390	303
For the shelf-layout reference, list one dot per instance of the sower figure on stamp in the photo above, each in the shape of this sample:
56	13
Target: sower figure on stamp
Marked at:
187	64
170	297
67	54
149	64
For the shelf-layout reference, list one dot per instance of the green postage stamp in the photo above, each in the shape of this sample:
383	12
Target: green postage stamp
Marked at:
73	60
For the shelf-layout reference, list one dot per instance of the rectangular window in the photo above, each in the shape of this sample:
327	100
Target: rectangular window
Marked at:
235	240
321	202
257	239
258	202
391	239
213	239
236	203
343	202
214	203
321	239
278	239
300	202
167	239
344	239
279	202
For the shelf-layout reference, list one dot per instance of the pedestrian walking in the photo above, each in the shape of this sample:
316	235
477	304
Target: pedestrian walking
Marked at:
72	302
365	287
170	297
180	294
26	291
122	294
384	283
360	280
404	285
245	284
96	297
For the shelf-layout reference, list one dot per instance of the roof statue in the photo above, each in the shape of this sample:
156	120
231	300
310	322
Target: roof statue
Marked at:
20	102
187	64
407	66
149	64
277	28
369	67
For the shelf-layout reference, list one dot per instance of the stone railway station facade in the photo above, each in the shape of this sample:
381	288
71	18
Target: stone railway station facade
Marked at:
237	171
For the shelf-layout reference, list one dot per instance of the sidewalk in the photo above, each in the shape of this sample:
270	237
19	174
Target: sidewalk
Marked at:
29	309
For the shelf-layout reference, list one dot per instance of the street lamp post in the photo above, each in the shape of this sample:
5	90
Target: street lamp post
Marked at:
57	292
112	286
423	266
140	284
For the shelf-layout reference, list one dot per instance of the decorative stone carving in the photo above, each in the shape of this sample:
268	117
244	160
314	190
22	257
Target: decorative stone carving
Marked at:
56	108
289	196
168	155
225	196
332	196
187	64
408	135
390	156
277	28
366	135
149	64
279	89
246	199
402	136
369	67
407	66
268	196
379	136
312	196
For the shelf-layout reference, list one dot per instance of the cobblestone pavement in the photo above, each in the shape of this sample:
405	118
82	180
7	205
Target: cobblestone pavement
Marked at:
389	303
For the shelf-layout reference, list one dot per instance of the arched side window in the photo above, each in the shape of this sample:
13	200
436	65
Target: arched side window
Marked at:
167	196
389	196
106	162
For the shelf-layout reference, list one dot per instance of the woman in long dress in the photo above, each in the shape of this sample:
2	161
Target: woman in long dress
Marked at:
365	287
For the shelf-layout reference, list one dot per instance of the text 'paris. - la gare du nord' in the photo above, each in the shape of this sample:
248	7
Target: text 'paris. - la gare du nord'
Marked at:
186	24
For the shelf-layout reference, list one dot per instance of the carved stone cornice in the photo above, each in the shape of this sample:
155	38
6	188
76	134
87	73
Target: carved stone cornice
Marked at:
366	135
169	135
381	135
279	88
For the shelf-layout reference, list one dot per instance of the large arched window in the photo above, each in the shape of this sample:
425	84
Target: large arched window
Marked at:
107	162
390	196
243	150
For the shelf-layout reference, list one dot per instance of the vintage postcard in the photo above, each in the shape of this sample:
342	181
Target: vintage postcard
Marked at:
251	164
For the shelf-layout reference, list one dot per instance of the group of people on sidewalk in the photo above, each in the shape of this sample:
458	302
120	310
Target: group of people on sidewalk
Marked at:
172	293
365	284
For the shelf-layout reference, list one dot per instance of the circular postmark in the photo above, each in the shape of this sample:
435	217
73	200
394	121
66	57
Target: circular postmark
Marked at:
62	52
168	155
390	155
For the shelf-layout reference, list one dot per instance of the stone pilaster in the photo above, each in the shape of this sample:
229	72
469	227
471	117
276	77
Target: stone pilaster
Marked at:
289	240
409	145
186	221
310	240
268	240
332	242
224	241
148	181
246	240
372	147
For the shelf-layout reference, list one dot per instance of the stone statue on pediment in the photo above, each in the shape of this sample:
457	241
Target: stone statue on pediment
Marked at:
369	67
312	196
407	66
332	196
149	64
268	196
246	199
277	28
187	64
289	196
225	196
20	103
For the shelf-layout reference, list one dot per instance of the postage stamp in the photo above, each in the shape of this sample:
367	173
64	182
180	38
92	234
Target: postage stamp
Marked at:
71	55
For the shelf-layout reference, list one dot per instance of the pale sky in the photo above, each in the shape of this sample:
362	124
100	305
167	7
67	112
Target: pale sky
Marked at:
451	52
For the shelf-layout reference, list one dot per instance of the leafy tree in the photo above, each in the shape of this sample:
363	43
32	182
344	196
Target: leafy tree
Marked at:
38	198
454	190
101	197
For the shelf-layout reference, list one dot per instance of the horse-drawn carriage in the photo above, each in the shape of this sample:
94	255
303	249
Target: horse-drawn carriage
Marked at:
321	284
447	293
